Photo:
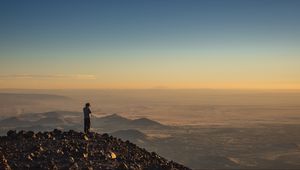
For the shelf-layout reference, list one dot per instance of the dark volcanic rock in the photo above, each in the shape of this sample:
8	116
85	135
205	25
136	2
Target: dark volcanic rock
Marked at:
75	150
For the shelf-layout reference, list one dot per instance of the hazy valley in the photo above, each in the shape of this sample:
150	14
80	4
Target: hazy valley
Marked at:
200	129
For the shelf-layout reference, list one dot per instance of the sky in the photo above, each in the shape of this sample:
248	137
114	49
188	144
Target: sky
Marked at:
137	44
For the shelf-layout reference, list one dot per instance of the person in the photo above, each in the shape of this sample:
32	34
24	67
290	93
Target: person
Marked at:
87	120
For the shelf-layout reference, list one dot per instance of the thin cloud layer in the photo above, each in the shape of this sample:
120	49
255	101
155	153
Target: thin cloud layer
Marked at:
49	76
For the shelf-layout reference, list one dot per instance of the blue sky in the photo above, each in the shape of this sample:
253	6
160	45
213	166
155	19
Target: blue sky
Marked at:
177	44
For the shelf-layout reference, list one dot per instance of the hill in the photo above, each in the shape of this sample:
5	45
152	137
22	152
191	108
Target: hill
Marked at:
116	121
13	121
75	150
111	119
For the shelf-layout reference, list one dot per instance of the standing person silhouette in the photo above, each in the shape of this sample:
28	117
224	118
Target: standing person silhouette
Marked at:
87	120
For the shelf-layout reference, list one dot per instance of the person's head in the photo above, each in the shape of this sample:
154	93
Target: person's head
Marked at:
87	105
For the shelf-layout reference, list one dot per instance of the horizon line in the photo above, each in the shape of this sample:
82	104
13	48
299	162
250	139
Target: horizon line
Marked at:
250	89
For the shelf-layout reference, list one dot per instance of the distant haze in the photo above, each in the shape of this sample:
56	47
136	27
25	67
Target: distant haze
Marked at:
206	129
167	106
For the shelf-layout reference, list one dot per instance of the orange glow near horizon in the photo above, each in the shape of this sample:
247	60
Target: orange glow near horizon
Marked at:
179	45
96	84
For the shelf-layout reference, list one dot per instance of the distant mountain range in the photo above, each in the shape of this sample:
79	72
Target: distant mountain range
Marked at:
17	103
115	121
66	120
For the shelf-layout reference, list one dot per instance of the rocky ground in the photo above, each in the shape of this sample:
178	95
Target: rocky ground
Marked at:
76	150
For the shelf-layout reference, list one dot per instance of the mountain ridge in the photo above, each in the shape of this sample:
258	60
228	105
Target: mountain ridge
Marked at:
75	150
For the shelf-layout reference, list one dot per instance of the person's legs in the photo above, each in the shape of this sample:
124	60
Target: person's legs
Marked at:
85	125
88	127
